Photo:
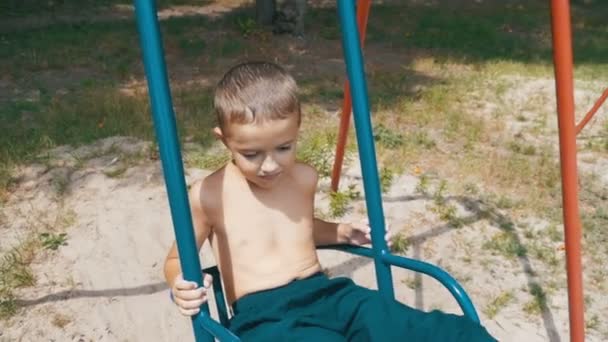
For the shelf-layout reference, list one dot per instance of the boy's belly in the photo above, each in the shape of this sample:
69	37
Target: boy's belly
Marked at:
273	270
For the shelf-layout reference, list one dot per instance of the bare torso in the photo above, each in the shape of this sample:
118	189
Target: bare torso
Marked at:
262	238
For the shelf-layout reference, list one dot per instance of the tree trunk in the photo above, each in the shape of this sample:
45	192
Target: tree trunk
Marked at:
264	11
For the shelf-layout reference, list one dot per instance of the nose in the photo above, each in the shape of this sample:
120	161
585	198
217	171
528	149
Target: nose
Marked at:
269	165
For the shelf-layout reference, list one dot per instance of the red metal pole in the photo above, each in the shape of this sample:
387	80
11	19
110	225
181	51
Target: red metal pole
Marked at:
363	7
563	60
592	111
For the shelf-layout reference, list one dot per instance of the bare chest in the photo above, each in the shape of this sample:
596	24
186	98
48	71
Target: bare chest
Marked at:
266	220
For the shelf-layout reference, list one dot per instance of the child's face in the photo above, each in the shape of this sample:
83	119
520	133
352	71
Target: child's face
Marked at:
263	152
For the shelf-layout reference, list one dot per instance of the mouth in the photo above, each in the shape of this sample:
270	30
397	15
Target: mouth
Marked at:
270	177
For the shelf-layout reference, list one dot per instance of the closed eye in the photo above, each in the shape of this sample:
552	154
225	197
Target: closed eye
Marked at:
285	148
249	155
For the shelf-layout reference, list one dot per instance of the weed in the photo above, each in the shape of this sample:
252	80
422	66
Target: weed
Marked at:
538	302
338	203
15	272
413	283
517	147
246	26
388	138
554	233
53	241
504	202
317	150
439	195
447	212
498	303
386	178
544	253
592	322
208	161
471	189
400	244
506	244
423	185
421	138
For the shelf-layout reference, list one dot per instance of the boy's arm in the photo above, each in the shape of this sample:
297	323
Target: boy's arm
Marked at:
202	229
324	233
329	233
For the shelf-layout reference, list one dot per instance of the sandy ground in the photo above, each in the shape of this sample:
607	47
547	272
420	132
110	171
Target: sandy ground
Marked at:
106	284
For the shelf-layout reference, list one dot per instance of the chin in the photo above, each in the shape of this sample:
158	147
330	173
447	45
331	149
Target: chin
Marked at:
266	183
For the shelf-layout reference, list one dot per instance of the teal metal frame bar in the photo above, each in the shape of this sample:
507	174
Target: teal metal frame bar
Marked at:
205	328
168	143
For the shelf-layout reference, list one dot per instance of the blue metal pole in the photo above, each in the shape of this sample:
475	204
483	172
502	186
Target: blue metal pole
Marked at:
440	275
365	141
166	132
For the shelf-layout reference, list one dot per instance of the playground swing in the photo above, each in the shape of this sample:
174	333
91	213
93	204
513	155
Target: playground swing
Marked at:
205	328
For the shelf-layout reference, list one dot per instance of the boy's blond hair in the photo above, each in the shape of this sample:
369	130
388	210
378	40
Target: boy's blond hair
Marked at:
254	92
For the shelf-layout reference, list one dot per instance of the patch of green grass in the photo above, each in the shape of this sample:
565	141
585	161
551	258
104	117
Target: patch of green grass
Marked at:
489	31
23	8
387	176
538	302
208	161
387	137
90	114
447	211
15	272
413	283
53	241
525	149
498	303
423	185
246	26
317	149
400	243
339	201
543	253
593	322
506	243
594	227
505	202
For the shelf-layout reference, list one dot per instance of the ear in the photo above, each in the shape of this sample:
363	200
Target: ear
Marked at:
217	132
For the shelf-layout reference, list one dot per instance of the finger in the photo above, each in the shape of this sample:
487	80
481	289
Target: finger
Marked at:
192	304
184	285
190	312
191	294
207	280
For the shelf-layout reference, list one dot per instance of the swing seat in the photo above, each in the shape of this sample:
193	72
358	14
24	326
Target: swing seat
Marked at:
222	333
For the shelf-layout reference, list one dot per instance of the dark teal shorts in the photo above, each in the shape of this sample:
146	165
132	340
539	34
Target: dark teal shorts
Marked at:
319	309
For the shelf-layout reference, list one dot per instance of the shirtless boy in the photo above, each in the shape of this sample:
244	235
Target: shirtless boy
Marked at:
258	213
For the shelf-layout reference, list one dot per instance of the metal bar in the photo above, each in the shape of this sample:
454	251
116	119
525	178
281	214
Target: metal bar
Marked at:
563	61
592	112
166	132
363	7
367	153
441	276
218	291
433	271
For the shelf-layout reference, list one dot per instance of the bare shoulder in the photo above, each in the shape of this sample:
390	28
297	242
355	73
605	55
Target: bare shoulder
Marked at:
306	175
205	192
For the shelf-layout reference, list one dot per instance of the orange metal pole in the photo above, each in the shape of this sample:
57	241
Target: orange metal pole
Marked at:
563	60
363	7
592	111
